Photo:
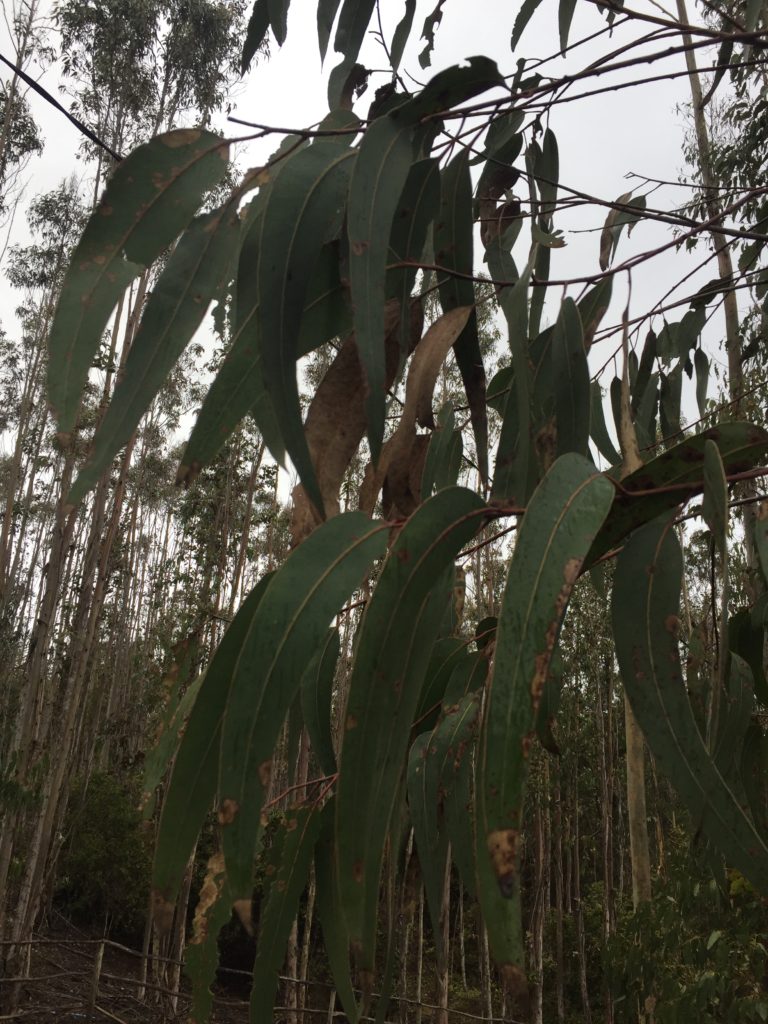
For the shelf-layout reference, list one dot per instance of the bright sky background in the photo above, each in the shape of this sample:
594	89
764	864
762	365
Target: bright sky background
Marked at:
601	139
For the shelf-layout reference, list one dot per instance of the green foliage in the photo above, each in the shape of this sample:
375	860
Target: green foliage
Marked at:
339	229
694	952
105	863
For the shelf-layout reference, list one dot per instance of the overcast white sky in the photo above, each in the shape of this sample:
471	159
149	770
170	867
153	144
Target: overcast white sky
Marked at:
601	139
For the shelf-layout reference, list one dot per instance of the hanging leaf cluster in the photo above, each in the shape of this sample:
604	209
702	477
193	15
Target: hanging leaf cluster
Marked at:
336	237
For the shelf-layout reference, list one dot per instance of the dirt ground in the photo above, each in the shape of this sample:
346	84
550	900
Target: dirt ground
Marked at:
60	985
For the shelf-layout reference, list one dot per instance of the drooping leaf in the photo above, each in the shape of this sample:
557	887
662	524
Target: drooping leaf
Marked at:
724	53
454	252
735	714
278	19
615	222
256	33
645	607
416	209
194	779
514	471
352	26
593	307
431	23
677	475
399	625
288	626
289	862
431	839
715	504
303	210
192	278
213	911
316	698
326	15
526	12
335	934
460	727
754	773
564	19
380	173
598	428
447	653
570	370
149	200
160	755
746	639
563	516
239	387
701	365
400	38
443	462
670	395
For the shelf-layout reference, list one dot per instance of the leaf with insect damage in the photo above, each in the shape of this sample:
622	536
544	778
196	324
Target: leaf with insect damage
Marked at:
288	627
392	654
213	911
149	200
645	611
563	517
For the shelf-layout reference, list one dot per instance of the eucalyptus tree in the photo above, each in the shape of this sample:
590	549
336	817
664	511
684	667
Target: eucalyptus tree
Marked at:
432	728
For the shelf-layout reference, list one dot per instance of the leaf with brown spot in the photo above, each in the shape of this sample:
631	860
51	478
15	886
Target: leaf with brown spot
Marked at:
646	598
335	423
150	198
742	446
192	786
564	514
213	911
425	366
393	648
289	625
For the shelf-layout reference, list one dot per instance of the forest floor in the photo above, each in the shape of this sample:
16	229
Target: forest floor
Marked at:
60	987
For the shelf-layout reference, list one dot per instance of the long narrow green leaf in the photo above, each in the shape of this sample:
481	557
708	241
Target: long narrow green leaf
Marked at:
380	173
193	782
316	698
239	387
149	200
400	38
645	608
326	15
392	654
417	208
352	26
335	934
192	278
431	839
563	517
289	625
291	873
303	210
571	379
256	33
678	474
598	428
454	251
526	12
